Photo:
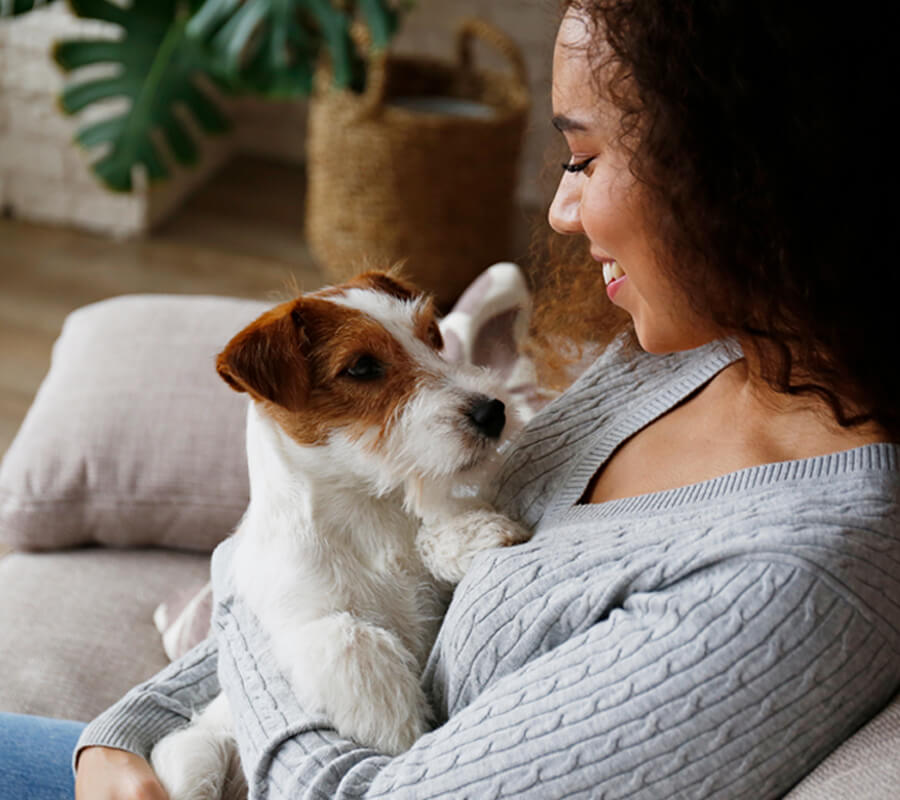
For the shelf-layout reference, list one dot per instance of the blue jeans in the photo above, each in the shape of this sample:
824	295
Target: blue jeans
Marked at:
36	757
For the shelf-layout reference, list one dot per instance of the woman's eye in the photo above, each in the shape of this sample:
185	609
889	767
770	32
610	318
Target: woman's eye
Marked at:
578	166
365	368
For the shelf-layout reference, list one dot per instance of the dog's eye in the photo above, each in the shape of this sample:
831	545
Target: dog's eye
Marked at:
365	368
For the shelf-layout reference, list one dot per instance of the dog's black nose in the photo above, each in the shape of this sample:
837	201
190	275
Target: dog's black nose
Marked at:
489	417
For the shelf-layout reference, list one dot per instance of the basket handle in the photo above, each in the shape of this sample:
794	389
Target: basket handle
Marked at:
474	28
376	81
469	30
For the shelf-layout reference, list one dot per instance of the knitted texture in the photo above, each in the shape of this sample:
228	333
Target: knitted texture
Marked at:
713	641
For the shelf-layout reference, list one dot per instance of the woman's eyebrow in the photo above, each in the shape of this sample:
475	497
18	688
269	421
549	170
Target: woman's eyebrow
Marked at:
562	123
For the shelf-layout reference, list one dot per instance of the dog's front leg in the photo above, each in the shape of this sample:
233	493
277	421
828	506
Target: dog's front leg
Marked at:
360	676
449	541
199	761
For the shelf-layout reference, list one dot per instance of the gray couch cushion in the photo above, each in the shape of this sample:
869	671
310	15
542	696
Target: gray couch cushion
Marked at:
76	627
133	440
866	766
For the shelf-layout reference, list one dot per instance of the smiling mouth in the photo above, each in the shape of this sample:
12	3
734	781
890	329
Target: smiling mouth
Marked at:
612	271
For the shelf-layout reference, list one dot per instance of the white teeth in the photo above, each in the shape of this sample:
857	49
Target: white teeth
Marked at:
611	271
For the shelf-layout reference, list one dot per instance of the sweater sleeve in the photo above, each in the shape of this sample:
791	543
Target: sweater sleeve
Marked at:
731	682
158	706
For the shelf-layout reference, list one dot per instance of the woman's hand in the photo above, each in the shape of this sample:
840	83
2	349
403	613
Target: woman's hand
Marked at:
105	773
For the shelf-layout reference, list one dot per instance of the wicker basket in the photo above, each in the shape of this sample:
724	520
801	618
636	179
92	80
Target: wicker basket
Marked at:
390	182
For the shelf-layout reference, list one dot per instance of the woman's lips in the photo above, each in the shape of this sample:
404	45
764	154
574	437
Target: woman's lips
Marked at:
613	287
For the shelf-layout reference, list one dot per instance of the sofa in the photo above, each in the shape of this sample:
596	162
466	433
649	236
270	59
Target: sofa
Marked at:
129	468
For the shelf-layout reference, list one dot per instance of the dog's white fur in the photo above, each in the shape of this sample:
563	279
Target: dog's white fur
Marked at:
343	549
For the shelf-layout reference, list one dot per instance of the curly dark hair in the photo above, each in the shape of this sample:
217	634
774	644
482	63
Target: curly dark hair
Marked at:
762	133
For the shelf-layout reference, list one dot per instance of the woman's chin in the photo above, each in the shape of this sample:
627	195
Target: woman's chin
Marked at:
662	339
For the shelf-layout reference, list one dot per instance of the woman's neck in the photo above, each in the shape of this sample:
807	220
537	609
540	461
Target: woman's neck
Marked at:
777	425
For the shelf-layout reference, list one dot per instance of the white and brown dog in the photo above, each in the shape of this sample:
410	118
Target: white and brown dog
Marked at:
358	435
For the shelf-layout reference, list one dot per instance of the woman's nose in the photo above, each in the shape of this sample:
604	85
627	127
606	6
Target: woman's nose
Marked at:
565	210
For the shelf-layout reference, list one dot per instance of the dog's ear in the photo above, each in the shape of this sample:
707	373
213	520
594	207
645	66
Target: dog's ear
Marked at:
267	358
388	283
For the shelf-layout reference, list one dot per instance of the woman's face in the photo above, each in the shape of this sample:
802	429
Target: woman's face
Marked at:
599	198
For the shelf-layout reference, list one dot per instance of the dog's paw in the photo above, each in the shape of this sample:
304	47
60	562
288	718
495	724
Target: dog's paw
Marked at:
385	711
389	726
191	764
448	547
363	679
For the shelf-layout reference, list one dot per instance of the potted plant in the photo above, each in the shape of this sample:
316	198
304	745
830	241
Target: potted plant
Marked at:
170	51
435	180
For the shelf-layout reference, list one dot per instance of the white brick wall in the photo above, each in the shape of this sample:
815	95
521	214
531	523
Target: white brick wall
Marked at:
45	176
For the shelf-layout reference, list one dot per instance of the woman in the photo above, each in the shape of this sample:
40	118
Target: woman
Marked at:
710	603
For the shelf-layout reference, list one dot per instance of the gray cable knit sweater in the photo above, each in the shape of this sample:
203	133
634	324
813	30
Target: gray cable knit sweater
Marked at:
712	641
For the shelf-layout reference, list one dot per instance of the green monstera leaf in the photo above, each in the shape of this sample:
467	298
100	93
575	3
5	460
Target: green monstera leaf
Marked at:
156	66
258	45
272	46
263	46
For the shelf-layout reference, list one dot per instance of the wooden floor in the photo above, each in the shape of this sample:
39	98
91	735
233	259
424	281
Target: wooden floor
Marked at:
241	235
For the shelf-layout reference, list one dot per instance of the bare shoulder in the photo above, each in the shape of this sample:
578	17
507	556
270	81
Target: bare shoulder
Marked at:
722	428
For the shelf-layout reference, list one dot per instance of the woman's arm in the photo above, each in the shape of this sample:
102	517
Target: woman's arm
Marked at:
158	706
731	682
105	773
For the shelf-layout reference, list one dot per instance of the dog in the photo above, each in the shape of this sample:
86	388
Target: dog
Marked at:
361	443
